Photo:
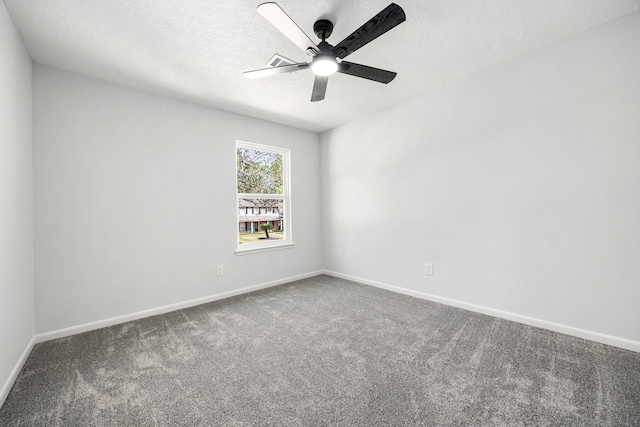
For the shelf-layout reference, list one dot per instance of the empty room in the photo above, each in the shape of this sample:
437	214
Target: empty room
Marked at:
320	213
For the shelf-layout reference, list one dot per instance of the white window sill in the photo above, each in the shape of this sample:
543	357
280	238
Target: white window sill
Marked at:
255	248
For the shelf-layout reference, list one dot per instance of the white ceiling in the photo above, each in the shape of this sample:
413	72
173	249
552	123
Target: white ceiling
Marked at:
196	50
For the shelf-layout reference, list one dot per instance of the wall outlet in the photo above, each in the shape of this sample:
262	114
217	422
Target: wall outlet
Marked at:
219	270
428	269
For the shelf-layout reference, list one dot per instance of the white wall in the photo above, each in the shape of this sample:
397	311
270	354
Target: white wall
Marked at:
135	201
521	185
16	203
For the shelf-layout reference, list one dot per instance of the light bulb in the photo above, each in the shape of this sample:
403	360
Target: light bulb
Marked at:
324	66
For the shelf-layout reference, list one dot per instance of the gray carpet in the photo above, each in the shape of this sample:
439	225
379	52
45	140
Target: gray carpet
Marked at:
324	351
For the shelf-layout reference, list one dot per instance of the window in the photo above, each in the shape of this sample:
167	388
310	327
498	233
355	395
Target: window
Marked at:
263	203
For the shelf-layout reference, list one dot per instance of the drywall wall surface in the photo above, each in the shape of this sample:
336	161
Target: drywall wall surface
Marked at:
16	201
135	201
520	185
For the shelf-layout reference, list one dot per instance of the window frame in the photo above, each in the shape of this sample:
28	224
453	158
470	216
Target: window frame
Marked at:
287	241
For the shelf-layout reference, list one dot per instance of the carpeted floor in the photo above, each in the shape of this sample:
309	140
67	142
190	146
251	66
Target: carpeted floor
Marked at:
324	351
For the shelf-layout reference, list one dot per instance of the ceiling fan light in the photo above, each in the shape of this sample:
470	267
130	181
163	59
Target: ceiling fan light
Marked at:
324	66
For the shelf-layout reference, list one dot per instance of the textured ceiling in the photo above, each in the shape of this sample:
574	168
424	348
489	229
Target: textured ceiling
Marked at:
196	50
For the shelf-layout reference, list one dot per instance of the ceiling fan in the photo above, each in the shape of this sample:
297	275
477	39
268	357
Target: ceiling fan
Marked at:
328	59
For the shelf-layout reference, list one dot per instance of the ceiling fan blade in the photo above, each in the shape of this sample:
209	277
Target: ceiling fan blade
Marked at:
279	19
273	71
319	88
366	72
391	16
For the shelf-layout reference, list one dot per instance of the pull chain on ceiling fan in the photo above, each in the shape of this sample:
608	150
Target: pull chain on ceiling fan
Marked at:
328	59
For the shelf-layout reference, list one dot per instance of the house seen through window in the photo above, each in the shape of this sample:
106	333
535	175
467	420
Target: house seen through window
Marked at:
263	201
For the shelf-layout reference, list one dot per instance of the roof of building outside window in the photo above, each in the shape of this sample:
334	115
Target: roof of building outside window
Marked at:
258	218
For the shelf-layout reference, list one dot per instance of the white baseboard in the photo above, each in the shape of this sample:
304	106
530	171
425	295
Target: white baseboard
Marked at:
61	333
555	327
6	387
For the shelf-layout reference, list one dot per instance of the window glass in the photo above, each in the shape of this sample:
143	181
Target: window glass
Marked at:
259	171
263	196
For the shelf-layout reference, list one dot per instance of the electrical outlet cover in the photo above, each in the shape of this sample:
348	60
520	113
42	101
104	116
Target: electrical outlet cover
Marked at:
428	269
